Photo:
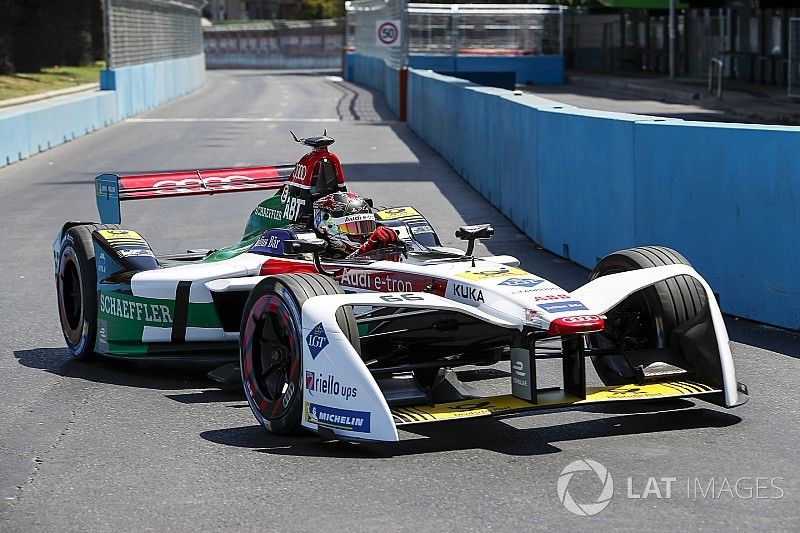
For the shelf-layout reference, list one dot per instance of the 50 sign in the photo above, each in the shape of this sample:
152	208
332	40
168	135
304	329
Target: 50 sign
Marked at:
387	33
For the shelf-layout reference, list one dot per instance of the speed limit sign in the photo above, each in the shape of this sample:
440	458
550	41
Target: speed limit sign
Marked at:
387	33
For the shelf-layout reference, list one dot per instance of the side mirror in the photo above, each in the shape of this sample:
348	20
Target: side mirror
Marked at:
305	246
478	231
308	246
472	233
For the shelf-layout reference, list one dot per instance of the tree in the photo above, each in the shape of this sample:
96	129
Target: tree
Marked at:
53	32
322	9
8	8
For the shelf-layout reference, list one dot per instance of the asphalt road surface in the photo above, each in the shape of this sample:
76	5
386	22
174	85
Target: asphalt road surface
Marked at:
116	447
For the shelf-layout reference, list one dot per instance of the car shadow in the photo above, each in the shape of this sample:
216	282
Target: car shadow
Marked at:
491	434
118	372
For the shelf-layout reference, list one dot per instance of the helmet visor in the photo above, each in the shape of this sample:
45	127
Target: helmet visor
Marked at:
362	224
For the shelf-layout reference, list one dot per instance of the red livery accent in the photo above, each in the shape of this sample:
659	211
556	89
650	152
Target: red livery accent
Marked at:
303	171
387	281
278	266
188	182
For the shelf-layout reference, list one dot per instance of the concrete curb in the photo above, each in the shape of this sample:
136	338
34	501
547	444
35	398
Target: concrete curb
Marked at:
86	87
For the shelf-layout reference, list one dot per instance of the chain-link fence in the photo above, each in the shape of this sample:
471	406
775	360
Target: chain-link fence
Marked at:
467	29
363	20
142	31
485	29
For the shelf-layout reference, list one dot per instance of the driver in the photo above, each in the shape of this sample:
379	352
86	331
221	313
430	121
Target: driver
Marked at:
345	220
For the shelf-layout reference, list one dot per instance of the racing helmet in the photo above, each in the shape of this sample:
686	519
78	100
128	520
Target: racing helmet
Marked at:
345	219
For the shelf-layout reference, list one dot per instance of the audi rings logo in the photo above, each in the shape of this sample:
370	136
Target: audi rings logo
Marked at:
585	509
213	182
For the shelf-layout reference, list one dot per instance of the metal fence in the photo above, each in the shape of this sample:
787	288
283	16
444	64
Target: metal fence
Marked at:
471	29
363	20
490	29
142	31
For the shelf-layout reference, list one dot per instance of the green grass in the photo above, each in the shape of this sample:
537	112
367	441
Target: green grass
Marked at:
49	79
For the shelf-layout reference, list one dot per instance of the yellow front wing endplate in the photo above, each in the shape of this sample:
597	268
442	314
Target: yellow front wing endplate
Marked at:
547	399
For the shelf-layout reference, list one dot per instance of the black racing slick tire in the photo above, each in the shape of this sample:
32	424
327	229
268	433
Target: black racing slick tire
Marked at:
646	319
76	286
271	346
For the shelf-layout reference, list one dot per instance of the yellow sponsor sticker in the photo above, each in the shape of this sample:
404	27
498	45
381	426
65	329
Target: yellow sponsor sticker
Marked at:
112	235
492	273
396	213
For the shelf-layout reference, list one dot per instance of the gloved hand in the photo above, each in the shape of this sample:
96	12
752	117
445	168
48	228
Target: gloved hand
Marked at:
380	238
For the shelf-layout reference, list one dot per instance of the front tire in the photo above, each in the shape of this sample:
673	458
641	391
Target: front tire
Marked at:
76	286
646	319
271	346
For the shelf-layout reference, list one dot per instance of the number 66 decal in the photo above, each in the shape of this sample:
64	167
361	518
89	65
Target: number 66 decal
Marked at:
403	297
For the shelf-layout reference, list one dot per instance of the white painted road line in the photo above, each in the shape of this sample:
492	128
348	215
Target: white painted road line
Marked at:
233	119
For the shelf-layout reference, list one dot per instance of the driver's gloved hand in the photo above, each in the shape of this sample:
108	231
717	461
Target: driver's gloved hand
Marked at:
380	238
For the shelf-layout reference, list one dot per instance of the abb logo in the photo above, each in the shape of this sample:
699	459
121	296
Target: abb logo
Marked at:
213	182
550	297
580	319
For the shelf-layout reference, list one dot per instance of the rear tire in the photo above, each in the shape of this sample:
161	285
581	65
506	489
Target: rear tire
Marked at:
646	319
271	346
76	287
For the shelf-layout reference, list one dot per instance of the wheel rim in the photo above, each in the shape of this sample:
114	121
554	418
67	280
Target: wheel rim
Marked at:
650	332
70	297
272	356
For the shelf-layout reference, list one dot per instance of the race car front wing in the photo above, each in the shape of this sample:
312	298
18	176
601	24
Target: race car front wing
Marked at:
342	399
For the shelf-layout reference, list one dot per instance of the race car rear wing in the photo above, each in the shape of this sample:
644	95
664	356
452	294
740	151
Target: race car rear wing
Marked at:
112	189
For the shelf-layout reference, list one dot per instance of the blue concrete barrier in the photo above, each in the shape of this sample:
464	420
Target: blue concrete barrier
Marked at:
374	73
142	87
585	183
539	70
29	129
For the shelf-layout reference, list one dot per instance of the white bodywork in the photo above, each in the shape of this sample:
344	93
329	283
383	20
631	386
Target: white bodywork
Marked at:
339	364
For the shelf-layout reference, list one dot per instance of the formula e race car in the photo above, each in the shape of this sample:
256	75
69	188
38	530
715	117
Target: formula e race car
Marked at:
353	348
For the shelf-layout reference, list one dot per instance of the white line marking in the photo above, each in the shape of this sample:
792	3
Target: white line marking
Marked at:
232	119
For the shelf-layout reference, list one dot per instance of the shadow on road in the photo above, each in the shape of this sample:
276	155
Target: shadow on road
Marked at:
117	372
487	433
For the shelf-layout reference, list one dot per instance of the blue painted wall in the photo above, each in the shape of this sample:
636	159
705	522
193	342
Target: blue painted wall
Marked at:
585	183
539	70
375	74
29	129
142	87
